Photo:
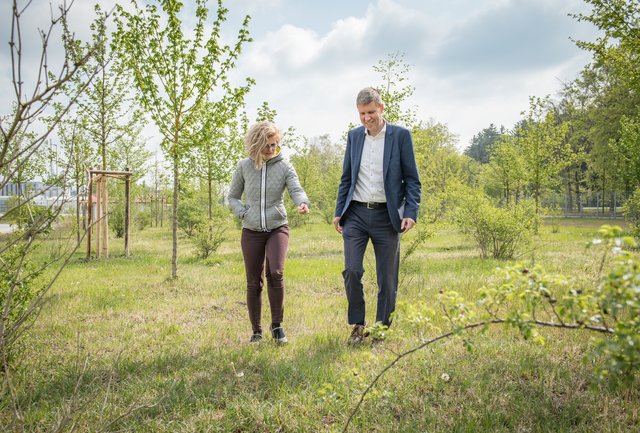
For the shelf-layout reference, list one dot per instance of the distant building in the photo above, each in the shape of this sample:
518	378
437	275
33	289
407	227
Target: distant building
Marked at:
43	194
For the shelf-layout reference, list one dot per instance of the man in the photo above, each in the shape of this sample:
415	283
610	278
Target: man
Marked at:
378	199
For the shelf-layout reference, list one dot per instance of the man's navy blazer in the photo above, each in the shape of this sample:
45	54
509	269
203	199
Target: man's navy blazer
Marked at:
402	186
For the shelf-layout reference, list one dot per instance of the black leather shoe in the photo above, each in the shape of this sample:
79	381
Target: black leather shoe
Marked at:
278	335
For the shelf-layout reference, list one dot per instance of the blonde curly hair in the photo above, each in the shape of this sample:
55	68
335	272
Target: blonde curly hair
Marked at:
256	140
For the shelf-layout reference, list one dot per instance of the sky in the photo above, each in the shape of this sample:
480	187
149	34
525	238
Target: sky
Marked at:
472	62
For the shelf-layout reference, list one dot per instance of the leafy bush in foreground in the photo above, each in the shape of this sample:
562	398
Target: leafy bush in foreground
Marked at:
529	299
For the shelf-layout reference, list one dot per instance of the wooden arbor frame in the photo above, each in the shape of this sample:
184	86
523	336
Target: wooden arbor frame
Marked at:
99	178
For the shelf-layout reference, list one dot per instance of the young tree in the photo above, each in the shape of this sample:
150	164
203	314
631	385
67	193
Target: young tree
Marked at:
265	112
130	151
393	71
627	151
543	146
218	143
23	134
612	102
78	155
175	75
442	169
506	167
319	166
27	170
574	107
108	104
619	47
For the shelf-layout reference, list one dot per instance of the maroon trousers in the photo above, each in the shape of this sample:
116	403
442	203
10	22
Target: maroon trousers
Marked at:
256	247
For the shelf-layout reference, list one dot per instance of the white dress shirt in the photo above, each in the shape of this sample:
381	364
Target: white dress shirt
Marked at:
370	182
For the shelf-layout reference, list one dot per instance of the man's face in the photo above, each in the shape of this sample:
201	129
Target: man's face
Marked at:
371	116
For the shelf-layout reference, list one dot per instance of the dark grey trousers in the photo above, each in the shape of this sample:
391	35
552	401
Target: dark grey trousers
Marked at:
359	225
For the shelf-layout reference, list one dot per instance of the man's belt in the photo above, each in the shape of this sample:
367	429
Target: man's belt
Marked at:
369	204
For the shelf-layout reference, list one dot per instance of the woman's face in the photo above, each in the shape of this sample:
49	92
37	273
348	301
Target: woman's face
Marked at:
269	149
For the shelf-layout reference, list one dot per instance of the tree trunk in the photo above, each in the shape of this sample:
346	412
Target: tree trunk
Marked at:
578	194
536	197
78	234
568	206
156	207
210	209
174	220
604	183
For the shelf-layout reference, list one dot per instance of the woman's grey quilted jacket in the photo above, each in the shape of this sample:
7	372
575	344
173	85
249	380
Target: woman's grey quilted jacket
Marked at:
263	207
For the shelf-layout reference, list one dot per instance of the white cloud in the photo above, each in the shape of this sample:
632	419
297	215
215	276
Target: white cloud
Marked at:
474	63
288	49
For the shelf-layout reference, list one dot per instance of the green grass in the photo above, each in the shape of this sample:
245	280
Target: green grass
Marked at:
177	351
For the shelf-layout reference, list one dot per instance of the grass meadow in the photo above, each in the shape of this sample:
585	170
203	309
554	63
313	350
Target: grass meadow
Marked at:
121	347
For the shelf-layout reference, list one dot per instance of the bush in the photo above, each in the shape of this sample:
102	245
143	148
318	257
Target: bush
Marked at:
192	215
27	215
632	213
554	216
116	220
498	232
204	245
18	290
142	218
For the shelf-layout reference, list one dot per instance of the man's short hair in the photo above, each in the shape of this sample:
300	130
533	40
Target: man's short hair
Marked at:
368	95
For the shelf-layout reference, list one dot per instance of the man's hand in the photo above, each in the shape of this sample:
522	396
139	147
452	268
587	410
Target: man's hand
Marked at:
336	224
303	209
407	224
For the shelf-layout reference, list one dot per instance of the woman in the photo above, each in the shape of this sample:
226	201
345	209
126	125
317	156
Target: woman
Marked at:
262	177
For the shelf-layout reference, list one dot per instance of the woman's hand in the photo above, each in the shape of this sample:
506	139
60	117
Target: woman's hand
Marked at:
303	209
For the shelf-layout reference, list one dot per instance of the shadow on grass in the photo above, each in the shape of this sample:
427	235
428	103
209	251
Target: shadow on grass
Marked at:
173	381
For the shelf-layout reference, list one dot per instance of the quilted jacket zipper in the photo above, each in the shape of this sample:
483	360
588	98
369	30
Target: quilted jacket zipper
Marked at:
263	198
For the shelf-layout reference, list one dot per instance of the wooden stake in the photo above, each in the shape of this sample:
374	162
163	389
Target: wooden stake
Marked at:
89	214
127	213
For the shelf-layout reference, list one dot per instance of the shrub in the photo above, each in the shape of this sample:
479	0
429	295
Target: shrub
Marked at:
632	212
192	215
498	232
18	290
27	215
142	218
116	220
205	245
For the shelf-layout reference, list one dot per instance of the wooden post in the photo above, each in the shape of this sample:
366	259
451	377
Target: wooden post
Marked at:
156	205
127	213
105	219
98	213
89	214
99	217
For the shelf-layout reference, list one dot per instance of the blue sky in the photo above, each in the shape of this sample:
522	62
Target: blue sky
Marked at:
473	62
